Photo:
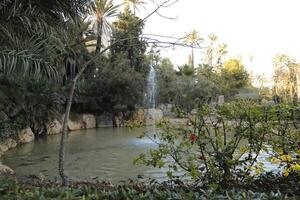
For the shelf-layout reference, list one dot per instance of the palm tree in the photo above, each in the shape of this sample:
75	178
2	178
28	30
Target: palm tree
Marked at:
103	10
281	74
37	39
192	39
133	4
221	52
26	28
261	82
212	38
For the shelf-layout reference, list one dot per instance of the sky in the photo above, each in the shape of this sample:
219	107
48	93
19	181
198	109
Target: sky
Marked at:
251	28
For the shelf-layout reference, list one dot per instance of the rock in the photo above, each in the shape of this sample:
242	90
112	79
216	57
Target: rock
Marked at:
26	136
166	109
3	149
6	145
153	115
5	170
10	143
89	121
139	116
75	125
54	127
104	120
271	103
194	112
41	176
221	100
118	120
75	122
3	116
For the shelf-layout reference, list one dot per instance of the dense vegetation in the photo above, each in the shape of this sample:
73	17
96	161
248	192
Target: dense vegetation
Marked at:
223	143
44	45
33	188
50	50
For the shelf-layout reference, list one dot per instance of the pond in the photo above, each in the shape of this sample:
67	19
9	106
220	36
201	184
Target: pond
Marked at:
104	153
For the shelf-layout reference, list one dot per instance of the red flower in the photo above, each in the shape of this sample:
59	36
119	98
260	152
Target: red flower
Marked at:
201	157
193	137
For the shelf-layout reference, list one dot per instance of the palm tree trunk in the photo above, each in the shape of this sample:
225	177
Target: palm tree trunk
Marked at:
99	36
193	61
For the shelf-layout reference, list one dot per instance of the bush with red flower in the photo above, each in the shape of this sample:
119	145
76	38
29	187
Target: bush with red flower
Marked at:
222	143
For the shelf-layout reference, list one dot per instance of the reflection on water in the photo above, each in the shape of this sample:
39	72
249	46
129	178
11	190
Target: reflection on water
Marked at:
104	153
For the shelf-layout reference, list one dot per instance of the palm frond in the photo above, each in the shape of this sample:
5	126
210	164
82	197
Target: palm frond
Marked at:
23	63
4	3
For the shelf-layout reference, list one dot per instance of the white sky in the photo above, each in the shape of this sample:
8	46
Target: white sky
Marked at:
258	28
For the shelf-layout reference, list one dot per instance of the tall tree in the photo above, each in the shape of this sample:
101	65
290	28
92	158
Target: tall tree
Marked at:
103	10
215	53
282	73
193	39
127	31
133	5
73	82
212	39
233	77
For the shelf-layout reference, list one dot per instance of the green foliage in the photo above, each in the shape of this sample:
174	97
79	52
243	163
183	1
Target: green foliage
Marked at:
114	84
43	48
234	76
166	81
286	77
183	88
25	30
223	143
128	42
229	79
11	189
30	102
186	70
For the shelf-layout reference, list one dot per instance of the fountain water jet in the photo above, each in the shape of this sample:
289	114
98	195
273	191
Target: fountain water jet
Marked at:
152	114
151	88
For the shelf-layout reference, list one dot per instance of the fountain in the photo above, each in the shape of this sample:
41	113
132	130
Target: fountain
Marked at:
152	114
151	88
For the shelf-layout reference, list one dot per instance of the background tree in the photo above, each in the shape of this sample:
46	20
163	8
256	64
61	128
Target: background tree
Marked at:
261	81
215	53
286	77
193	39
133	5
103	10
128	30
233	77
166	81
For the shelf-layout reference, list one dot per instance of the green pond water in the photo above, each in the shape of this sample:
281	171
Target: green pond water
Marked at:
104	153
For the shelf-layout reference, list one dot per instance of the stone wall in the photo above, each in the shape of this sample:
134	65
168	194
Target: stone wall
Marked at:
5	170
84	121
139	116
54	127
104	120
89	121
24	136
76	122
